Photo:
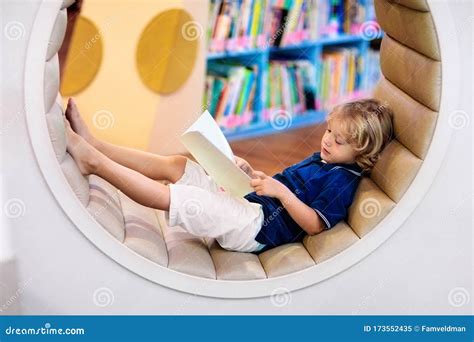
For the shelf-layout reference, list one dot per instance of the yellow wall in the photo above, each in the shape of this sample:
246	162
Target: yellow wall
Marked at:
141	118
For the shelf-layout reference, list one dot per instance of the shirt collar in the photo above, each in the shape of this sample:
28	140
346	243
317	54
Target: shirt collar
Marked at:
353	168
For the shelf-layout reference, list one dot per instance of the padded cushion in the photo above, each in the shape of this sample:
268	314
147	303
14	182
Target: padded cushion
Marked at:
414	73
330	242
142	231
413	123
55	123
410	27
51	82
67	3
395	170
57	36
105	206
186	253
78	183
409	58
419	5
235	265
369	207
285	259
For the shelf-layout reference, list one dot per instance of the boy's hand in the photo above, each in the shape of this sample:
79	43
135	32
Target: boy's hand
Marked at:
244	166
268	186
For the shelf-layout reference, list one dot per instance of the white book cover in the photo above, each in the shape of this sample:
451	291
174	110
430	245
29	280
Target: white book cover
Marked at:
208	145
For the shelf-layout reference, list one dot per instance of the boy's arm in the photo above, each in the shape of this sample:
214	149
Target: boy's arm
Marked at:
305	216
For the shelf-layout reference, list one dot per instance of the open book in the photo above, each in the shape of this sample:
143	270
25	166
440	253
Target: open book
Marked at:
206	142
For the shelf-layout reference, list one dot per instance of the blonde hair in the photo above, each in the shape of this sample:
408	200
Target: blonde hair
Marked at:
367	127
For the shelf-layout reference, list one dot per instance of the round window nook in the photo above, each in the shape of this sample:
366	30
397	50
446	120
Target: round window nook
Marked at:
415	52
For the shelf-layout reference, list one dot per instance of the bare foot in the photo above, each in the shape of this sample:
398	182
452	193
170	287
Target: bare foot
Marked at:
77	123
84	154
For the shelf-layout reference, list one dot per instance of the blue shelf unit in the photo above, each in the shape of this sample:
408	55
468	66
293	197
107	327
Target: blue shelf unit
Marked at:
308	50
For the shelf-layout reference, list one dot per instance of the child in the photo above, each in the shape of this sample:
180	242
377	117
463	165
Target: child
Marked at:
306	198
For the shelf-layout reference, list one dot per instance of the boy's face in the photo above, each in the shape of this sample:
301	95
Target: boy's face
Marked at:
334	147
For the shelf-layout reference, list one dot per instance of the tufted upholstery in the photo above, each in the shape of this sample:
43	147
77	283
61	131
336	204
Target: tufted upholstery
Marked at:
411	67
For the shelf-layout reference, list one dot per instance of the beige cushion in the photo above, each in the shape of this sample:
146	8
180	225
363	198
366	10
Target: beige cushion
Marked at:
51	82
330	242
413	123
186	253
57	36
409	58
395	170
55	123
78	183
67	3
142	231
286	259
410	27
104	205
419	5
369	207
414	73
235	265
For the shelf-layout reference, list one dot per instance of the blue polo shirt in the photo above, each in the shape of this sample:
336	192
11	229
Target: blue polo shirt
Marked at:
327	188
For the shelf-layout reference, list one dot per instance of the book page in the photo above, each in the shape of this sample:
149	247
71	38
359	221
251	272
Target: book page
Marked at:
208	145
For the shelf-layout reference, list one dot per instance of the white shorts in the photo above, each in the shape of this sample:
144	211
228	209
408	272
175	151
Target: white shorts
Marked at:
203	209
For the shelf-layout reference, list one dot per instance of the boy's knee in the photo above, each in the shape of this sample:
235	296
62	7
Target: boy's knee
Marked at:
179	164
179	161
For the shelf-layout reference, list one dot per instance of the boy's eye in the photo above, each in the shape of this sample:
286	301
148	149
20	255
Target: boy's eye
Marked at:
338	142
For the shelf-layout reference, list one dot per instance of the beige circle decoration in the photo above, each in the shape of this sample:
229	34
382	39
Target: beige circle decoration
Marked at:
167	50
83	58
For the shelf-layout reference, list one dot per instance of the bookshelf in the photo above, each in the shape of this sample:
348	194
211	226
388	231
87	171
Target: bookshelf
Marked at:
265	120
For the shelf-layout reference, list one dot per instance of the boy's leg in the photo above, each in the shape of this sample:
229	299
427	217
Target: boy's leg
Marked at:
138	187
154	166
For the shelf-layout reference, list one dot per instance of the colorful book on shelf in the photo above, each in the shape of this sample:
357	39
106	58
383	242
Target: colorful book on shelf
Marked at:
288	36
237	24
291	87
208	145
242	24
217	87
223	97
234	97
279	16
343	73
355	16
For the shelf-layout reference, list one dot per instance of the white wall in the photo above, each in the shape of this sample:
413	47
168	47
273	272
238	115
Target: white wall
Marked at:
412	273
